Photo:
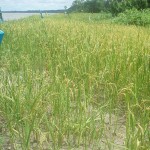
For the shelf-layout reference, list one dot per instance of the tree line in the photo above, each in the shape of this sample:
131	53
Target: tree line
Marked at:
113	6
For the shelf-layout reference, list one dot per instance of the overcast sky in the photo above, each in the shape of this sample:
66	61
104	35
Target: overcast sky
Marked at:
34	4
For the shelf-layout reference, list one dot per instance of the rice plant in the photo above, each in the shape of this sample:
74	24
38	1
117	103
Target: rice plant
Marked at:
68	83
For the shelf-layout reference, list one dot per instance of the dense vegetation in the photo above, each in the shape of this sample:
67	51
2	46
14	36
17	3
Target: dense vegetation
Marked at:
134	17
113	6
74	82
131	12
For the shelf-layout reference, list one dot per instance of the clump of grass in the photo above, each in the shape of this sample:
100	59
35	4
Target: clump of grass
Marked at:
65	83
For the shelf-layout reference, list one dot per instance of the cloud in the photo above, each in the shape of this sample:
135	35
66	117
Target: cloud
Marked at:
34	4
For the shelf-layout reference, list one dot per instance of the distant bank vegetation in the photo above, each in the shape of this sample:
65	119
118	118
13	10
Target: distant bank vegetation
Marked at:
135	12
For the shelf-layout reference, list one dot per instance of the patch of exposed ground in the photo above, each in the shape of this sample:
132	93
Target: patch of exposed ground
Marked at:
5	143
113	138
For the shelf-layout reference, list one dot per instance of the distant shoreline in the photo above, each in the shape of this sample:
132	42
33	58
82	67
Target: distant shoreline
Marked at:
36	11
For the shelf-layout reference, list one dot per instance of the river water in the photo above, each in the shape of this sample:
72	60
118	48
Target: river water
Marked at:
15	16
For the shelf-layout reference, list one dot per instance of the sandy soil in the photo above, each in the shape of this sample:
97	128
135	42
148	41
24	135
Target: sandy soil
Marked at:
114	135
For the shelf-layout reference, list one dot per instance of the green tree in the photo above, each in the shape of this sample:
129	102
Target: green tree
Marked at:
140	4
77	5
114	6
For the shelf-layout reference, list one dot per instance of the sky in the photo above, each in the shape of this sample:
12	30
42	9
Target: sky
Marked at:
34	4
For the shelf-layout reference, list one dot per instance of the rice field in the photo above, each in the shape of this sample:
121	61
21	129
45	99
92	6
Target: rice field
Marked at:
70	83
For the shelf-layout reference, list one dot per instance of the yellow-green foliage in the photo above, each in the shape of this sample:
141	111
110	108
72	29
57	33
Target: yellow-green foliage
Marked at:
60	76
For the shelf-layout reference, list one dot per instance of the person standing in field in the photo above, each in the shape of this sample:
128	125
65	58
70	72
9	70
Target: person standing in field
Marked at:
1	17
41	14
